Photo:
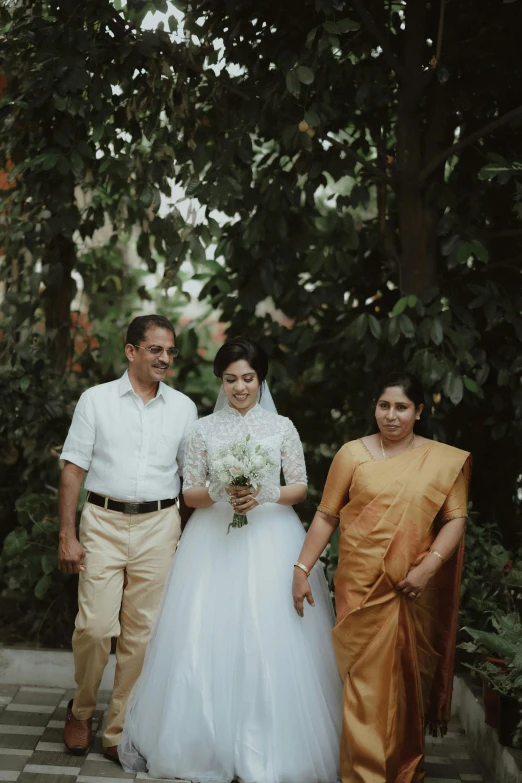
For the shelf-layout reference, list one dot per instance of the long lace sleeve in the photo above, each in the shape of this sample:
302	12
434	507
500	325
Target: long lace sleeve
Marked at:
292	462
195	467
292	457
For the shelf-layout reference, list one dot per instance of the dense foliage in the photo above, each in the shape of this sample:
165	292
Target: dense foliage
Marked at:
365	157
354	168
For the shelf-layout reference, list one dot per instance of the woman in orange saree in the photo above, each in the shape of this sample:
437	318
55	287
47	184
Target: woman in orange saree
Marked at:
401	503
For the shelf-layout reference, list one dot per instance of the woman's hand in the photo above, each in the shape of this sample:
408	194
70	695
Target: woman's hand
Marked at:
300	590
243	499
417	579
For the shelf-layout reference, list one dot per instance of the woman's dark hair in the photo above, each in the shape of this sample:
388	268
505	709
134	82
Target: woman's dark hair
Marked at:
410	385
139	326
241	348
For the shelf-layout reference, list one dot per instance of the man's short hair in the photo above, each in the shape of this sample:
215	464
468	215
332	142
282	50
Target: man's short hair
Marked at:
139	326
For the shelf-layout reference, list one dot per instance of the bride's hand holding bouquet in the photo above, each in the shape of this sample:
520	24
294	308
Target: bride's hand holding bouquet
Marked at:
242	499
240	468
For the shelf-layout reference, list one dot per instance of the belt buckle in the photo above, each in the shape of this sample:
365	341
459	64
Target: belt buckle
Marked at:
131	508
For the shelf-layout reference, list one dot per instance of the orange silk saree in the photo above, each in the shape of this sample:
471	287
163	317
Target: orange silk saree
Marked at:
396	656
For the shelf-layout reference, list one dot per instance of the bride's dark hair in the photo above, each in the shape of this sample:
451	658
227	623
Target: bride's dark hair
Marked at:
237	349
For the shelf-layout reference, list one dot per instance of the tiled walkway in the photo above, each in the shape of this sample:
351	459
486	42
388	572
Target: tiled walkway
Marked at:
31	749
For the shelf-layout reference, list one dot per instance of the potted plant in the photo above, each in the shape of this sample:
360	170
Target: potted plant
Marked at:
503	674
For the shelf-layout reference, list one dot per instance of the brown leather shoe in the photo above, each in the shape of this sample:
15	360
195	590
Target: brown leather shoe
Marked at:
111	753
77	734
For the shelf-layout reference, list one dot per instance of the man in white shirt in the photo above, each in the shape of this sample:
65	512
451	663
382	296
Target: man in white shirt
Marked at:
129	435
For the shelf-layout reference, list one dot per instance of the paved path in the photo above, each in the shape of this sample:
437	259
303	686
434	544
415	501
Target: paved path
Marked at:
31	749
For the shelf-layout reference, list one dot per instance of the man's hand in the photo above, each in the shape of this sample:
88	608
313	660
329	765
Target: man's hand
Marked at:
71	555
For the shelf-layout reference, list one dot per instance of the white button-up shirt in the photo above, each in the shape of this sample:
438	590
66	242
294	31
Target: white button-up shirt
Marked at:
132	451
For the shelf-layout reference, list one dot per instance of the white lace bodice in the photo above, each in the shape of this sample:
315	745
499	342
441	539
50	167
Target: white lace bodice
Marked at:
276	433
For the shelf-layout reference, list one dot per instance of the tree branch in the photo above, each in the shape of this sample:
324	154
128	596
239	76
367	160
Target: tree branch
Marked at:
369	167
435	162
506	233
372	28
440	33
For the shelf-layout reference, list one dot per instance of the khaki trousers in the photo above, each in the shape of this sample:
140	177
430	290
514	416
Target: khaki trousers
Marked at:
128	557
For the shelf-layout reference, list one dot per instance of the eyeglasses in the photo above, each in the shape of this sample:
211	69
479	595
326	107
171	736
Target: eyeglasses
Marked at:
157	350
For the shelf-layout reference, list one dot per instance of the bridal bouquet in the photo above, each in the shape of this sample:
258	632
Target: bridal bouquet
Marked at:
241	463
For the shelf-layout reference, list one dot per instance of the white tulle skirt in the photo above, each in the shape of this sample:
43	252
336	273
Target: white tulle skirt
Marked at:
236	686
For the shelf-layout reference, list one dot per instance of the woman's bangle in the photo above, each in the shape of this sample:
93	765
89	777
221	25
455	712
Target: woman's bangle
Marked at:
434	552
302	567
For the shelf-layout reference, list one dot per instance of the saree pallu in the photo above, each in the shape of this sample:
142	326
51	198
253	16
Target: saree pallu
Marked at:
396	656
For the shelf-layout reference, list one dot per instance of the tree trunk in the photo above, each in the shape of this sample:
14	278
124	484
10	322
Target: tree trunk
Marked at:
417	219
60	261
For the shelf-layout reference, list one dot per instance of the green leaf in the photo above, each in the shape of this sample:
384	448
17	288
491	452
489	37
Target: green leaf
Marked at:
197	250
192	187
97	133
292	82
394	331
347	25
463	252
310	38
493	170
146	196
50	161
305	75
453	387
400	306
407	327
49	562
361	325
375	326
24	384
331	27
173	23
312	118
471	385
42	586
436	331
181	5
479	251
15	542
412	300
85	150
494	643
76	164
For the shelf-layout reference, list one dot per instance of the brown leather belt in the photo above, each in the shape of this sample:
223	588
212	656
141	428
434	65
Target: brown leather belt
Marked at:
129	507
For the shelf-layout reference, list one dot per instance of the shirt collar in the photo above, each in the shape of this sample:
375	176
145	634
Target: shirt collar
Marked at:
125	386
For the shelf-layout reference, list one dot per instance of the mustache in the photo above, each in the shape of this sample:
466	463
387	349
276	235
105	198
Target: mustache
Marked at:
160	365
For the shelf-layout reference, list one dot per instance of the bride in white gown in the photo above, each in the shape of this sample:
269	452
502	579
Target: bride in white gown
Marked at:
235	685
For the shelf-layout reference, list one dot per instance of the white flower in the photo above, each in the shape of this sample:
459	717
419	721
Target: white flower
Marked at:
228	461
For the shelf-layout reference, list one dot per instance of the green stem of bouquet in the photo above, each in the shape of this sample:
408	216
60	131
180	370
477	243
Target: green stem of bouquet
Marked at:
239	520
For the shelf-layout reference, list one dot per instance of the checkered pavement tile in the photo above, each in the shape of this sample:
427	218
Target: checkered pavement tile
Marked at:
32	751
